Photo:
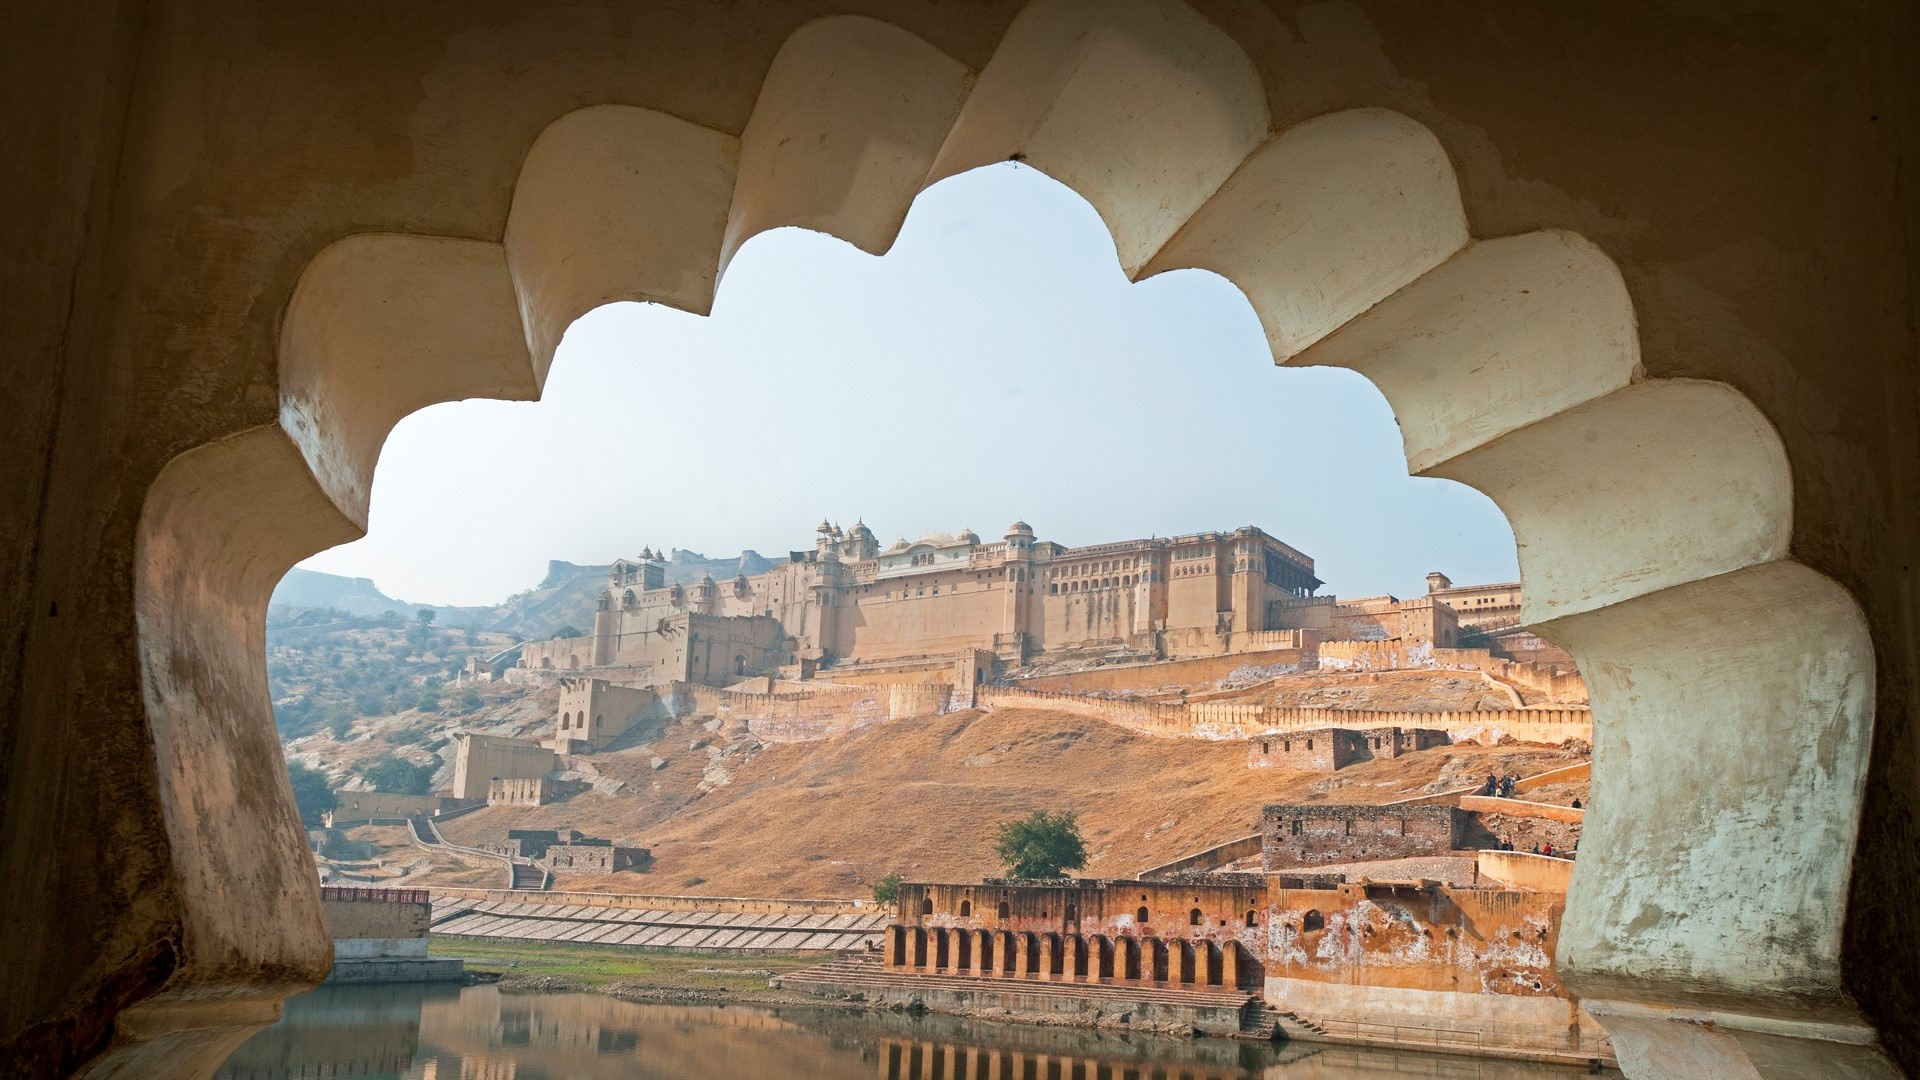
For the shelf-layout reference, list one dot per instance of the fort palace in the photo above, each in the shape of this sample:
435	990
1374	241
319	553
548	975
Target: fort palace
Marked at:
850	602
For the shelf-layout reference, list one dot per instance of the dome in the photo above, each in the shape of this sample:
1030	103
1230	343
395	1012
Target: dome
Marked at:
1019	528
898	546
968	536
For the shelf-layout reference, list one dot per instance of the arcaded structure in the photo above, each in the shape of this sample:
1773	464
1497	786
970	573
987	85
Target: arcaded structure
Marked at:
1643	272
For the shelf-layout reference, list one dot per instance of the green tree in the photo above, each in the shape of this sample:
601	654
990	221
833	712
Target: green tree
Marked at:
425	617
568	631
310	793
470	699
887	890
1041	845
399	776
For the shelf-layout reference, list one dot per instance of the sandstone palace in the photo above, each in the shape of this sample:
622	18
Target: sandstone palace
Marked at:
850	604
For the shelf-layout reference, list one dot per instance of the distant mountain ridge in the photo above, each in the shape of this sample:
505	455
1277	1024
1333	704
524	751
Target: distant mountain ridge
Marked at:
567	596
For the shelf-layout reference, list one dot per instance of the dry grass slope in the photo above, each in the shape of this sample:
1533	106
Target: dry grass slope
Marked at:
923	798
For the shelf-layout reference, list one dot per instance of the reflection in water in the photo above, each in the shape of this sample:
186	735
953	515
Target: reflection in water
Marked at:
479	1033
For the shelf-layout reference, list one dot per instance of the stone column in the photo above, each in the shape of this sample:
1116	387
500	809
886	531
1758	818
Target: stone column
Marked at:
1047	954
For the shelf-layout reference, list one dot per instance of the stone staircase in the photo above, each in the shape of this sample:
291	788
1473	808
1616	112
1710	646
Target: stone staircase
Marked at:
1217	1010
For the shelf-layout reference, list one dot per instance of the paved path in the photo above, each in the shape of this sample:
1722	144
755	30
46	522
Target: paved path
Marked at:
655	929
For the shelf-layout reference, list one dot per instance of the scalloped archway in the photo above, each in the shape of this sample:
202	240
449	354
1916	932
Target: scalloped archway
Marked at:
1652	516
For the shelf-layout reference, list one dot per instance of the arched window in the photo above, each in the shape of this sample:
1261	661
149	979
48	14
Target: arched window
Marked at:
1073	913
566	721
740	664
1313	920
1194	918
1253	918
598	719
1005	910
966	908
1140	915
926	906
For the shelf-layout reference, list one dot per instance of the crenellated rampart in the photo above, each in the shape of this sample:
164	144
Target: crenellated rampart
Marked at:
1222	720
813	715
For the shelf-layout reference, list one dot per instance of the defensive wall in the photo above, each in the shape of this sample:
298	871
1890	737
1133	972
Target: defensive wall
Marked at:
1152	676
361	807
813	715
1223	720
1550	683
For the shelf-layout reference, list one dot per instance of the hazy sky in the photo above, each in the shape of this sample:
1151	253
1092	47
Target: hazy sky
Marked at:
995	365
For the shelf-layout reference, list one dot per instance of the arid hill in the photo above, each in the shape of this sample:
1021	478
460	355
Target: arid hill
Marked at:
923	797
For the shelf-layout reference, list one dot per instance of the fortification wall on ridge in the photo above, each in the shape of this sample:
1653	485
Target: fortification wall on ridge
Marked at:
1220	720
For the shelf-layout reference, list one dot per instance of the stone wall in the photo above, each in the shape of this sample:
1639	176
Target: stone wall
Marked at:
480	759
1212	720
1204	669
1525	870
538	791
375	913
1305	836
1471	961
359	806
595	711
603	857
1330	749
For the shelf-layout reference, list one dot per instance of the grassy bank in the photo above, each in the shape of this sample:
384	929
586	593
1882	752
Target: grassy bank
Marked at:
601	966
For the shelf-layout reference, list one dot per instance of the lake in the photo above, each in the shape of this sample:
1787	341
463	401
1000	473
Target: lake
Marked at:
441	1032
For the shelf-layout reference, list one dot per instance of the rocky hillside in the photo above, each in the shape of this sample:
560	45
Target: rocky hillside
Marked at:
565	597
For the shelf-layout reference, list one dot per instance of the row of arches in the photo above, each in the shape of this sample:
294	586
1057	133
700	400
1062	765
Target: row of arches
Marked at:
925	1059
1070	957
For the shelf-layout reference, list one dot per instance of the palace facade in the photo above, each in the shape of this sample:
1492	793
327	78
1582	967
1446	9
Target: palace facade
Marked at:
849	601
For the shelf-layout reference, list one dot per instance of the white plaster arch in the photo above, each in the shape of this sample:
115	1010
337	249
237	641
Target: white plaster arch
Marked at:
1326	220
848	122
616	203
1511	364
382	325
1086	91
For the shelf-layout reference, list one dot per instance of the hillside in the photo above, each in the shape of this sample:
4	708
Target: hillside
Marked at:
565	597
923	797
